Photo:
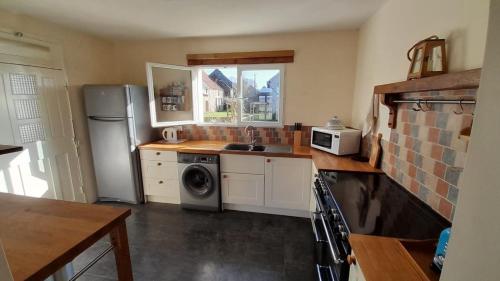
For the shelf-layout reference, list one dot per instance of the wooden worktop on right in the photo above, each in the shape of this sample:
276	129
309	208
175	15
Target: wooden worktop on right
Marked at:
392	259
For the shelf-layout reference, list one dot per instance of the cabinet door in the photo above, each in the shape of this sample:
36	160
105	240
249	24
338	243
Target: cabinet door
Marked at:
243	189
288	182
312	200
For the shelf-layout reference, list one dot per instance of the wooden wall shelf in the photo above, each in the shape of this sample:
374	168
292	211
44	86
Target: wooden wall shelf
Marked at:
281	56
468	79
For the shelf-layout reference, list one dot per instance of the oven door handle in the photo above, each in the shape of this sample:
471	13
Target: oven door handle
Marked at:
315	231
335	257
316	196
330	277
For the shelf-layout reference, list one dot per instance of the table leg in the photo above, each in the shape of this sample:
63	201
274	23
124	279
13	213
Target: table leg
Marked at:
119	240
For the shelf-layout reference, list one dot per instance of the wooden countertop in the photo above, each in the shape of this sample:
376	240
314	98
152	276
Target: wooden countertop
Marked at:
391	259
4	149
42	235
322	160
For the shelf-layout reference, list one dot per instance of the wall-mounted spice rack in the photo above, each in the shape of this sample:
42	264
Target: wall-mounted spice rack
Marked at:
172	97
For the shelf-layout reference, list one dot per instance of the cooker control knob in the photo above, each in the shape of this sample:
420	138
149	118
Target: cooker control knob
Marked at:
343	235
340	228
335	216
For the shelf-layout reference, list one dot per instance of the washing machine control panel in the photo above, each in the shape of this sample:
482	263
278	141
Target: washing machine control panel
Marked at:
197	158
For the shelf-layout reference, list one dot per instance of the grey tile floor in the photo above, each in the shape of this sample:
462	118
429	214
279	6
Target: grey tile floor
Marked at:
168	243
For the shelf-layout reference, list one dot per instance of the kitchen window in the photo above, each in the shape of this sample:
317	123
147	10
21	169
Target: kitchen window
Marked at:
222	95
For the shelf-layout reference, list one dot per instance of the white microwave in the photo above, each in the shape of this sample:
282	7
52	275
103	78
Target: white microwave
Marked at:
338	142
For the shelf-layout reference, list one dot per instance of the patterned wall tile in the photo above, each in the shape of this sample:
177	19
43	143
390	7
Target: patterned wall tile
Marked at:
425	153
237	134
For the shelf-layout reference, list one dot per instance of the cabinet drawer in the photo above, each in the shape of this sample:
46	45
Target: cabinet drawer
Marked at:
243	189
159	155
159	169
161	187
243	164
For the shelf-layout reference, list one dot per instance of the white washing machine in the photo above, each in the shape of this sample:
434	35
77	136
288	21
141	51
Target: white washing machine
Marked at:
199	181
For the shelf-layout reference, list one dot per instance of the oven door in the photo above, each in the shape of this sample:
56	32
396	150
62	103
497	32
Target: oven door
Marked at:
330	262
322	258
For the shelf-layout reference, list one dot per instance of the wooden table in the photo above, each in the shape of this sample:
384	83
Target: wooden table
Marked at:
42	235
5	149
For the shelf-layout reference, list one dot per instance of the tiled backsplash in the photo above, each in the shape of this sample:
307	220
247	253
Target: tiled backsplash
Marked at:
425	153
236	134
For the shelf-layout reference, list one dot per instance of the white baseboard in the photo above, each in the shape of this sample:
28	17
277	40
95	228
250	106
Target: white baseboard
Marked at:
239	207
267	210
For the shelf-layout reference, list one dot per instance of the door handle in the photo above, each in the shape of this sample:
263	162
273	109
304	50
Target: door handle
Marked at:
107	119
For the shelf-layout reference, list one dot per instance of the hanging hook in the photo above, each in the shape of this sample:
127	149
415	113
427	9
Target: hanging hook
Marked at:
419	107
428	106
461	108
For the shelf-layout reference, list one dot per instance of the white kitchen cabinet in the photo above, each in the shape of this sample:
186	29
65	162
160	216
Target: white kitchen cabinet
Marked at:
287	183
312	200
244	189
159	155
242	164
160	176
355	273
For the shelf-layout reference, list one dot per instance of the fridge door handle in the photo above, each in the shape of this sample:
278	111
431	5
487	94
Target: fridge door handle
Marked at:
107	119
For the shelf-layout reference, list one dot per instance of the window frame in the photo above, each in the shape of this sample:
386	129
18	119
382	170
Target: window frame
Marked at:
197	95
151	94
200	121
262	124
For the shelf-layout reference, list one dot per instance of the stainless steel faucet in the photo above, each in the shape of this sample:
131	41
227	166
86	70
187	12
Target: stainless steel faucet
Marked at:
250	131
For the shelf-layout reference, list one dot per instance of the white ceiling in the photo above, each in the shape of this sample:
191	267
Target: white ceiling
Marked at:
151	19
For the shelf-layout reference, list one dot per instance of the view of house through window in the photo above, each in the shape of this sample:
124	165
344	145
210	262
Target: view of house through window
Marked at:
220	102
249	95
261	95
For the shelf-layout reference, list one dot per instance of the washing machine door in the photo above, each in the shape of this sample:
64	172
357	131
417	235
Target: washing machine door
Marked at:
198	181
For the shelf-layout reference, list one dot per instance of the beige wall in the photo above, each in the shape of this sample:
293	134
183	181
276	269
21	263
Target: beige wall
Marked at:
396	26
87	59
318	84
474	250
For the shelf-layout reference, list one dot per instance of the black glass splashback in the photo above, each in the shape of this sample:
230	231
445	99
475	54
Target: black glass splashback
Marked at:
373	204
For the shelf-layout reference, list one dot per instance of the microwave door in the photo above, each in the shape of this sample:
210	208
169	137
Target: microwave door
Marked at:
321	139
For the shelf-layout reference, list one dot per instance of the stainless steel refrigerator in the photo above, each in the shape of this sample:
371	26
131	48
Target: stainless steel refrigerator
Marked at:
118	120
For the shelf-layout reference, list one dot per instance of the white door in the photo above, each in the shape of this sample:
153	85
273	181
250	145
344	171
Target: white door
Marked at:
35	113
243	189
288	182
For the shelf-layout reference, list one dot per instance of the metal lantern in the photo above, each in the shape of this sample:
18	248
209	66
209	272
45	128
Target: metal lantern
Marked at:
428	58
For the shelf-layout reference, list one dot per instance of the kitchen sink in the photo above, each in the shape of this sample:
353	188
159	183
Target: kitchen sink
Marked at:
237	146
260	148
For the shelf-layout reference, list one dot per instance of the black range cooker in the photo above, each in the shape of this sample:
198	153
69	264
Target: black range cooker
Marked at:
364	203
